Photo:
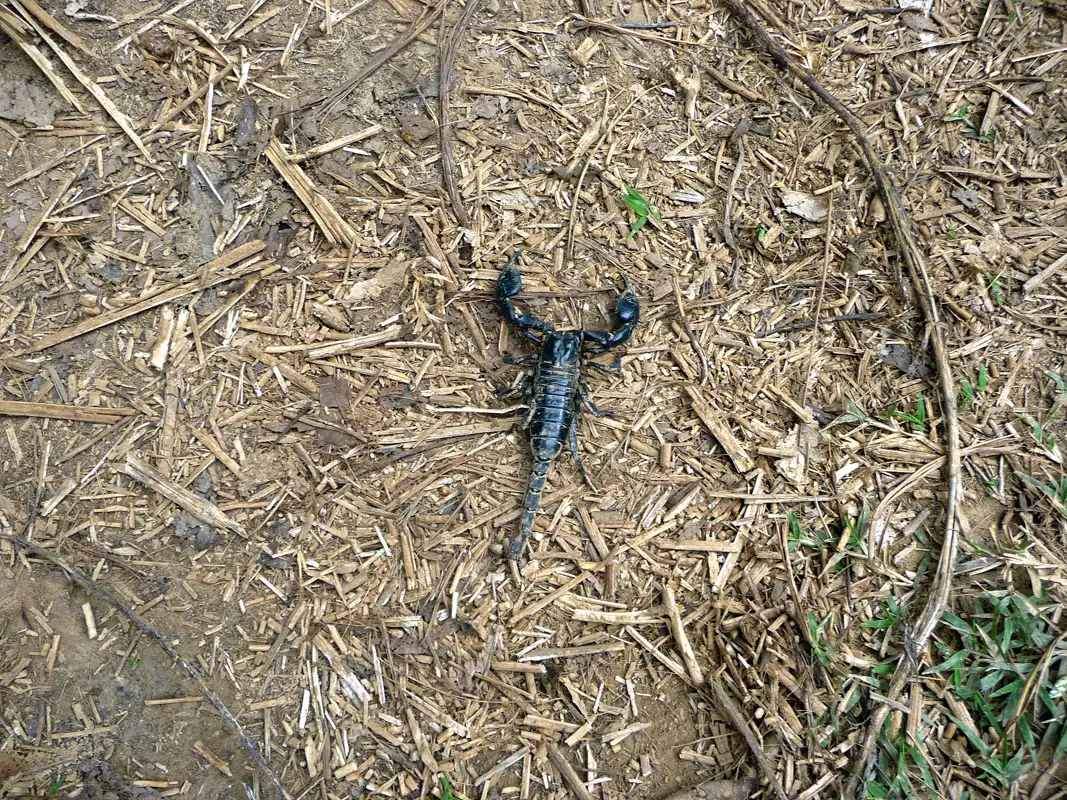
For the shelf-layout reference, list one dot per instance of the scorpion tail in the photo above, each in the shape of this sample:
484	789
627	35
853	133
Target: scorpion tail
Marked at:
530	507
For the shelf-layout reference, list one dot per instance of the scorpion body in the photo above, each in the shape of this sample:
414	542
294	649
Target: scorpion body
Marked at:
557	389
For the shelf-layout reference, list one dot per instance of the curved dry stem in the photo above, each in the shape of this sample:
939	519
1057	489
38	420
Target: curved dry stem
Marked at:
444	121
910	252
335	98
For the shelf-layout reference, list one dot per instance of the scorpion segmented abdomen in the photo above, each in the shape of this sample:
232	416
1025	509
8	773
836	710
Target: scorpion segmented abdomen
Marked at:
554	391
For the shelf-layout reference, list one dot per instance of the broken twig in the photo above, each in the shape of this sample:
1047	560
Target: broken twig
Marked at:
448	162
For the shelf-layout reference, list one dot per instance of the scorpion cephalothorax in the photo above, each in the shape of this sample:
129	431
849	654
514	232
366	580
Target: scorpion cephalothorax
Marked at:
557	389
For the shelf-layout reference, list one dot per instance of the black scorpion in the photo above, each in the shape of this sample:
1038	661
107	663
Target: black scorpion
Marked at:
557	389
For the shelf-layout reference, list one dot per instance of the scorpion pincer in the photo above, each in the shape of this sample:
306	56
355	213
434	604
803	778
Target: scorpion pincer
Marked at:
557	390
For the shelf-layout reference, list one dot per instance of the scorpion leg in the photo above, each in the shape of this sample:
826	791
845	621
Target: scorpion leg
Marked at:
524	383
583	394
572	436
509	285
527	418
628	311
614	366
523	388
521	361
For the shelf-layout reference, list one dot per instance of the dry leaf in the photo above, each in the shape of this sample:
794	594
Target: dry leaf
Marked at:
717	790
417	126
392	273
813	209
335	392
331	317
919	22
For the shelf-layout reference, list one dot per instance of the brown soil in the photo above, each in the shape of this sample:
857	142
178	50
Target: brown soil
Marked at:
374	503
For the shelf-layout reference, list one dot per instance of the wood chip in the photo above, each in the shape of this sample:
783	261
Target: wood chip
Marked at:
332	225
570	777
194	504
548	653
713	421
223	262
100	416
94	89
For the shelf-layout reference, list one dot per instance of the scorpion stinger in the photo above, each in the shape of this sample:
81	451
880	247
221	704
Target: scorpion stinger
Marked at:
558	388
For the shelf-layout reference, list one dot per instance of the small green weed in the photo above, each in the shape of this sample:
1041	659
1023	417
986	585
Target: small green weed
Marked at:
823	538
857	530
894	773
890	614
855	413
969	391
918	419
55	787
996	291
962	115
1046	440
641	207
1055	490
820	645
1061	394
1048	445
1004	669
798	537
446	789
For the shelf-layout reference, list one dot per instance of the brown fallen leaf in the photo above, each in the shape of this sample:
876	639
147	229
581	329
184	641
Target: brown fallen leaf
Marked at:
417	126
388	276
331	316
335	392
401	399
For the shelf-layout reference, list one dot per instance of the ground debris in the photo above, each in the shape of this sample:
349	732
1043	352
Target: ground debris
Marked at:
252	357
103	783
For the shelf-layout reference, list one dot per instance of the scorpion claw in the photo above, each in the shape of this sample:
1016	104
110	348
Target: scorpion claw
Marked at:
628	312
627	308
509	284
